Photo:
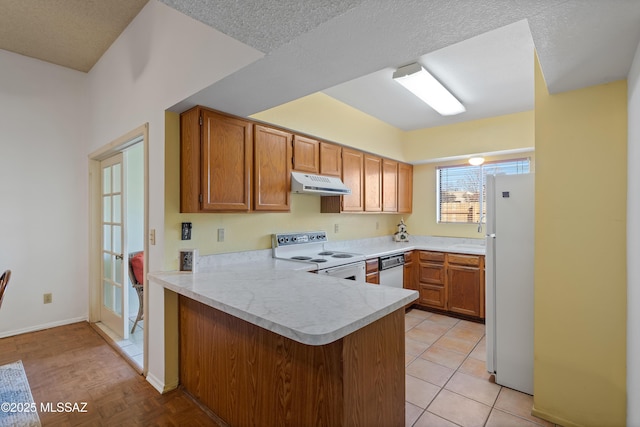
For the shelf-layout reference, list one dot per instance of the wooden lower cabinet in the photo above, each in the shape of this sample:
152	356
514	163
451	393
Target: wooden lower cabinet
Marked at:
432	279
372	273
452	283
465	276
248	375
409	275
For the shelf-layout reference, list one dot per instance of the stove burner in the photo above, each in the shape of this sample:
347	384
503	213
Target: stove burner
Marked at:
342	256
301	258
319	260
326	253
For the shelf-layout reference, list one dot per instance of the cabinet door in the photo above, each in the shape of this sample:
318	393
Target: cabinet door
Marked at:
389	185
352	173
432	296
372	183
306	154
372	273
405	188
464	290
226	163
190	191
272	183
410	280
330	159
432	285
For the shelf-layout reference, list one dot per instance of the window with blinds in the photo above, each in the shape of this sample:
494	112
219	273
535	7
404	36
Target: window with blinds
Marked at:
461	189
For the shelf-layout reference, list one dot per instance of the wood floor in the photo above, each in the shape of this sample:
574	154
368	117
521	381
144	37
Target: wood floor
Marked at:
74	364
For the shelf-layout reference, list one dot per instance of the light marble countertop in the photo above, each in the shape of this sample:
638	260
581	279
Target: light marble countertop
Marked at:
307	308
281	295
383	246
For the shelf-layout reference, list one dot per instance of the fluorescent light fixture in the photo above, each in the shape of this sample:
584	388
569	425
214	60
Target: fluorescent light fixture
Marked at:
476	161
423	85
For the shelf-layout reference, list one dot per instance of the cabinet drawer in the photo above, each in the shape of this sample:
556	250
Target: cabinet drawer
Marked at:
373	278
408	257
431	256
432	296
464	259
431	273
372	265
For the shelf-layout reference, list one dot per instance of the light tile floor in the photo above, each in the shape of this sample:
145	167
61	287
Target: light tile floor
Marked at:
134	346
446	380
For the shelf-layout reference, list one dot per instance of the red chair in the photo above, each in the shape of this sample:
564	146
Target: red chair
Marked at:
136	275
4	281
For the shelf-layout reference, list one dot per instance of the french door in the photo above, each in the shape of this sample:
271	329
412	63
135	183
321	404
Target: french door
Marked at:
114	295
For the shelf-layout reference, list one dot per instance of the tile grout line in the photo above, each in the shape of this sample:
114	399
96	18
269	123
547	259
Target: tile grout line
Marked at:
426	409
492	407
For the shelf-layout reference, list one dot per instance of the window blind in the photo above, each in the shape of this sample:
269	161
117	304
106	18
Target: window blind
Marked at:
461	188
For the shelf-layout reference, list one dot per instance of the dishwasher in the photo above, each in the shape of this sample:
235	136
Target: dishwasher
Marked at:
391	270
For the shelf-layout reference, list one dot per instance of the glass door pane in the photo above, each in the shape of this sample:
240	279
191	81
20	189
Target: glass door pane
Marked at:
114	299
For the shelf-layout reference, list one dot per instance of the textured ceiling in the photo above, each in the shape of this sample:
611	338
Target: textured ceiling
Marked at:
71	33
481	49
263	25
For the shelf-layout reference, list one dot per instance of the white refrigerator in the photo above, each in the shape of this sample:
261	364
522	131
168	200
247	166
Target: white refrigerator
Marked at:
509	279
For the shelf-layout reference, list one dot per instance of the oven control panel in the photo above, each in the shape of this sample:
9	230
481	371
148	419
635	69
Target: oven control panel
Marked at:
287	239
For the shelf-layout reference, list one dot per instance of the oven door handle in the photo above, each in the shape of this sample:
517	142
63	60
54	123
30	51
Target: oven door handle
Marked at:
331	271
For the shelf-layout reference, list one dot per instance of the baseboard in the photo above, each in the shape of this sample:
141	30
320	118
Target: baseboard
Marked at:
552	418
159	385
44	326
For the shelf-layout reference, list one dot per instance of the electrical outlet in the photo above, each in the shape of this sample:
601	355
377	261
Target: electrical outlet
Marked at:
152	236
220	234
377	225
47	298
336	228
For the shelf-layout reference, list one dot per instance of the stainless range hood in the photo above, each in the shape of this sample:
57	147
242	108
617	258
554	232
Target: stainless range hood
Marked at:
319	185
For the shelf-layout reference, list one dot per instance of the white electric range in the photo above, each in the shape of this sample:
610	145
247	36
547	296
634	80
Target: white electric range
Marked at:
309	247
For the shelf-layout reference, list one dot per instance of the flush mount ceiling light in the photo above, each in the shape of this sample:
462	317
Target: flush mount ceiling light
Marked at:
423	85
476	161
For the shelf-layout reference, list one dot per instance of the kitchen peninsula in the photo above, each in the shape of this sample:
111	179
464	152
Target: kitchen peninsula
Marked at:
268	343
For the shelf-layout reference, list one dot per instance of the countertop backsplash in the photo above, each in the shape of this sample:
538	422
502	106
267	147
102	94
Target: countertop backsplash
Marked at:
373	246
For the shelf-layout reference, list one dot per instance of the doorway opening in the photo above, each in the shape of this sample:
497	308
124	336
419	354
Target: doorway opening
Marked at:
118	174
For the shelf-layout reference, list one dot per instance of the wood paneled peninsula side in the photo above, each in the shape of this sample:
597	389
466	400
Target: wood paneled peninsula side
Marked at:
274	346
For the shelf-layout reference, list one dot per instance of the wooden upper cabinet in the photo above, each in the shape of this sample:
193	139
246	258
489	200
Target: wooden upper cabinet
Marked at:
216	156
306	154
372	183
405	188
330	159
352	174
190	161
389	185
272	169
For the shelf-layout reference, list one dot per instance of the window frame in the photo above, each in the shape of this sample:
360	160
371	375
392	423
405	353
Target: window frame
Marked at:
518	163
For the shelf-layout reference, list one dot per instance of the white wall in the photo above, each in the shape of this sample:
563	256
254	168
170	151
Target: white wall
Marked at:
633	245
43	187
160	59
